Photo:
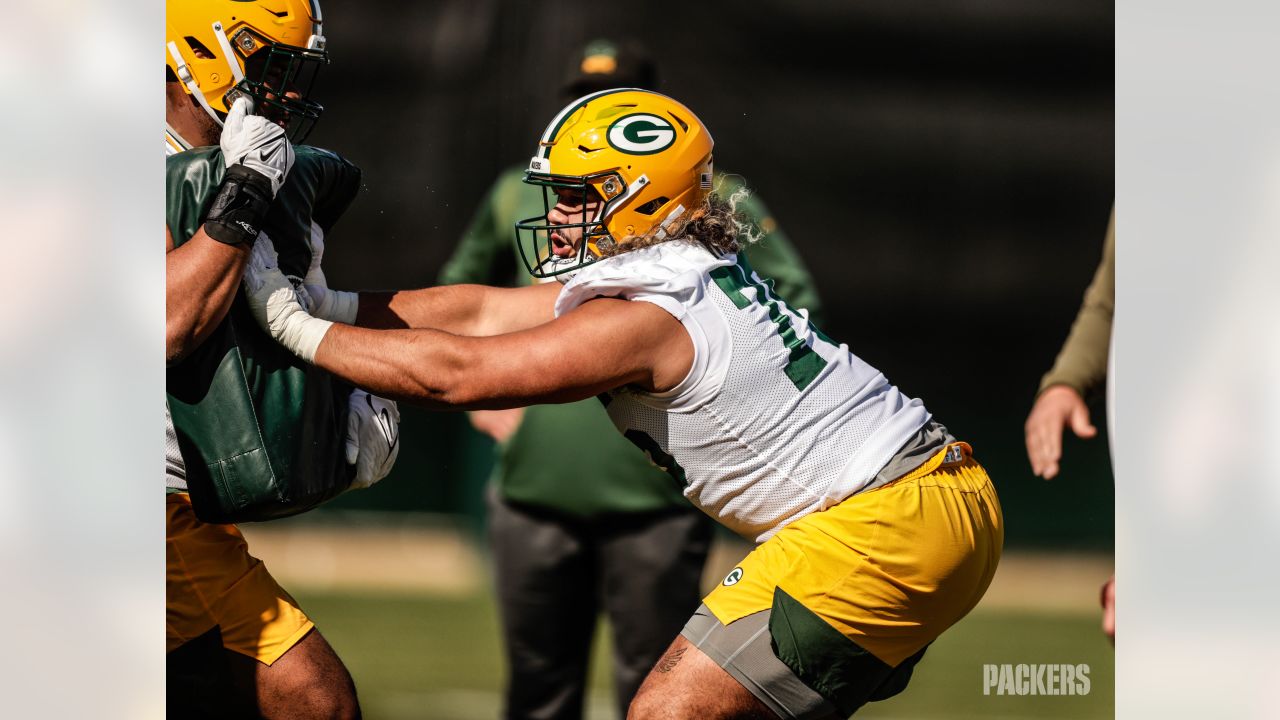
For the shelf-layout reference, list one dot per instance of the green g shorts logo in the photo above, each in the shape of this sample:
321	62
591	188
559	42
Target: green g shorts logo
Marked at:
641	134
733	577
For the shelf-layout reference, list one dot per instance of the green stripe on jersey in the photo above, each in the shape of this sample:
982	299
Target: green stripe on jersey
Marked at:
803	364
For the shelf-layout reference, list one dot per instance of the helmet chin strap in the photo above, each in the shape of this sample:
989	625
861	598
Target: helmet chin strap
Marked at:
227	53
185	76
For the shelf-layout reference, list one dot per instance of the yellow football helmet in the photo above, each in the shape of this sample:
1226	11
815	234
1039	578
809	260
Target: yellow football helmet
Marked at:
220	49
646	157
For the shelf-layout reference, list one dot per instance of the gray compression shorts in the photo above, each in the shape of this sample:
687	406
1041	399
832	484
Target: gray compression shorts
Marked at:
744	649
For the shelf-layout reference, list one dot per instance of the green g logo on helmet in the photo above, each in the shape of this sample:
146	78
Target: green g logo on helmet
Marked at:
641	134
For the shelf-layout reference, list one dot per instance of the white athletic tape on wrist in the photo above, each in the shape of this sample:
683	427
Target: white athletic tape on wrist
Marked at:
303	334
292	326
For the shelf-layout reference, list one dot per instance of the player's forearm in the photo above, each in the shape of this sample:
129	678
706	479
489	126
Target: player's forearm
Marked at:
454	309
470	310
201	278
421	366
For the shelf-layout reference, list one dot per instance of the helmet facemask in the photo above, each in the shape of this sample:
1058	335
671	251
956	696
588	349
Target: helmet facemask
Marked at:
273	73
533	235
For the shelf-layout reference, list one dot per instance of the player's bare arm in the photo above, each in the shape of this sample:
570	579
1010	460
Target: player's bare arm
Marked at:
476	310
201	279
605	344
202	276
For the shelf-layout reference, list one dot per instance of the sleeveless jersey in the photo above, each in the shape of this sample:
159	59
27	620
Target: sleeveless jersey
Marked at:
774	420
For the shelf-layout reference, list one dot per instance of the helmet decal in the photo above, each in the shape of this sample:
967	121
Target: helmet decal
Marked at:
641	134
557	123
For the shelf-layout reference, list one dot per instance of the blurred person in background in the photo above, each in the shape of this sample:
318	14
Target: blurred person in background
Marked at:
237	644
1080	371
877	529
601	528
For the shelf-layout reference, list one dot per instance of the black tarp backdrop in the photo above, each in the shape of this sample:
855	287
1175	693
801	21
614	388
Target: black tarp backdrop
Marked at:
946	169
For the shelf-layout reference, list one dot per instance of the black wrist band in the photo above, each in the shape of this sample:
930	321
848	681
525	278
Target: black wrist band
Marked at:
237	212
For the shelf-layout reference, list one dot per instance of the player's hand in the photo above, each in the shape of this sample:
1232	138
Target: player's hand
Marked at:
275	303
1054	410
497	424
325	302
256	143
373	437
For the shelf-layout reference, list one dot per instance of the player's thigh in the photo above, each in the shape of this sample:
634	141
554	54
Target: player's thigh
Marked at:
744	649
687	684
213	581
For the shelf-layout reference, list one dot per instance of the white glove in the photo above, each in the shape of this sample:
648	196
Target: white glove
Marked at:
326	303
276	306
373	437
257	143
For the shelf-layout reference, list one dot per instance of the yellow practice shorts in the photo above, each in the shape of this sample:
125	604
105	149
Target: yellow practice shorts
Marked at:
890	568
212	580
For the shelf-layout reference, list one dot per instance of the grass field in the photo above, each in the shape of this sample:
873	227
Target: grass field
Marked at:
409	610
438	658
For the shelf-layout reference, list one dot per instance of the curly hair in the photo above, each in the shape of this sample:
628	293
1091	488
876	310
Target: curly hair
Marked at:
717	225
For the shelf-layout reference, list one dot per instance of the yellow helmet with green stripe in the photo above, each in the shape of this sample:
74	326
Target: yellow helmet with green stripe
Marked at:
644	155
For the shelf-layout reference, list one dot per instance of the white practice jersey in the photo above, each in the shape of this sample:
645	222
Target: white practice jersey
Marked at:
774	420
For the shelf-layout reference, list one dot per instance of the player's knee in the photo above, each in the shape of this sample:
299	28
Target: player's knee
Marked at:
645	705
315	686
333	695
331	699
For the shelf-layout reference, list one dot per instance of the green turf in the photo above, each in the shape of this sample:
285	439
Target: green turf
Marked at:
439	659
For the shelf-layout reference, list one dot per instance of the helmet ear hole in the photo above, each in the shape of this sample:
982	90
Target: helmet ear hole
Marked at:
652	206
198	49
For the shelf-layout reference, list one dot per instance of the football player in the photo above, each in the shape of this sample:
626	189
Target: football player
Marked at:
877	529
601	531
237	644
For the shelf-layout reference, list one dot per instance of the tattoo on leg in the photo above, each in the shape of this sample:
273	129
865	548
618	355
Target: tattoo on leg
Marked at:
669	661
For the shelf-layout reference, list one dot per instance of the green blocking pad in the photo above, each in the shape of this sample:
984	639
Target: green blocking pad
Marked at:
261	432
833	665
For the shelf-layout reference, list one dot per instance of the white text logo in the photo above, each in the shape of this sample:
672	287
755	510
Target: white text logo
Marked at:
1035	679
